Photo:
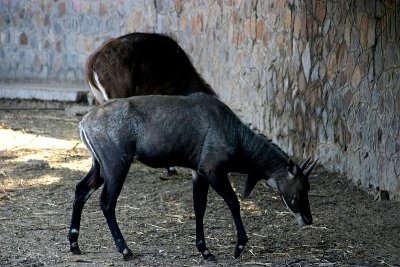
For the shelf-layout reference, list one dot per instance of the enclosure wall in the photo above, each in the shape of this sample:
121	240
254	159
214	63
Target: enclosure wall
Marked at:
321	78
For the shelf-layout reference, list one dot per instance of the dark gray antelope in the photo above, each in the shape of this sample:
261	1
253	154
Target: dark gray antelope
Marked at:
142	64
196	131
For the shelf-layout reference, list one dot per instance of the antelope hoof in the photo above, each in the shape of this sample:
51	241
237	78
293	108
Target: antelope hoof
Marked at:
238	251
209	257
127	254
75	248
171	171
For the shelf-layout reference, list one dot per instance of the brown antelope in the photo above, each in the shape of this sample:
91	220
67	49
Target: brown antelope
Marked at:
197	132
142	64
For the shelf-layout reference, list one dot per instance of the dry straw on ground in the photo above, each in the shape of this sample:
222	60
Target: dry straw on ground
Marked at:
41	160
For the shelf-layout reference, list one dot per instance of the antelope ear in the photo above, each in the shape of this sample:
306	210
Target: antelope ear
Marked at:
251	182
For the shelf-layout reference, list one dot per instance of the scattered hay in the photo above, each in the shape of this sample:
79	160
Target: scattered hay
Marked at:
40	164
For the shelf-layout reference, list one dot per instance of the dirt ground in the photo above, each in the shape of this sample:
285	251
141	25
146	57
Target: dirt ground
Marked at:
42	158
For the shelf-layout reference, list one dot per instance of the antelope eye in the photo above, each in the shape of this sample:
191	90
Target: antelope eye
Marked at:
293	199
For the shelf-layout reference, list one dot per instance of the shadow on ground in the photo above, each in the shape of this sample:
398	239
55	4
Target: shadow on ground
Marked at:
156	215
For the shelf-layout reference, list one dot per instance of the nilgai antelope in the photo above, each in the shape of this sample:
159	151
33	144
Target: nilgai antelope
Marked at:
142	64
197	132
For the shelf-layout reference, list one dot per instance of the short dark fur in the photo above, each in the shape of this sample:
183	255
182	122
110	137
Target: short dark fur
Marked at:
144	64
198	132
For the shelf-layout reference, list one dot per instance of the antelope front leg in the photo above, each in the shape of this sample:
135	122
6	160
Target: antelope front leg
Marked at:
223	187
108	201
200	192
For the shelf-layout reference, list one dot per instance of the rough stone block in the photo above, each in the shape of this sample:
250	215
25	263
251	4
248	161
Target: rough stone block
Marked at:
287	19
356	77
347	31
260	29
164	7
342	56
62	9
320	11
23	39
5	37
364	32
331	66
306	61
392	57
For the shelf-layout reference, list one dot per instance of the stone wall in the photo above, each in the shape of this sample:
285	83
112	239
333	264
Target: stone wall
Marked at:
321	78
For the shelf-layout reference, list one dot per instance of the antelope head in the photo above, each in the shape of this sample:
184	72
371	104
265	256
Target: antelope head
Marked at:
293	189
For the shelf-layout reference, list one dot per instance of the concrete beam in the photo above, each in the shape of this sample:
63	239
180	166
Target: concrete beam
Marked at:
46	92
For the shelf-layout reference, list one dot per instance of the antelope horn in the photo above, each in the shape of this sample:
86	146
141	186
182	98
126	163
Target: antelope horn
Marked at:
304	164
308	171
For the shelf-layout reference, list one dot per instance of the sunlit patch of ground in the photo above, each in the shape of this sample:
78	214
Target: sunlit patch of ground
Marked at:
42	159
13	140
27	153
